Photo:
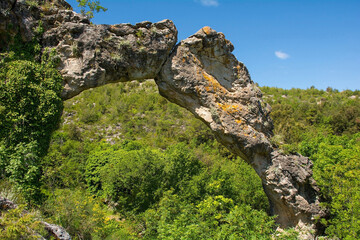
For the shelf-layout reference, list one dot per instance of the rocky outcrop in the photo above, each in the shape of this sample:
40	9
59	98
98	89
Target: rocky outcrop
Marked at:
90	55
200	74
6	204
203	76
54	231
94	55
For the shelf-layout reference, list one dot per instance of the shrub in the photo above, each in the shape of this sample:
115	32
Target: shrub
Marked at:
213	218
129	178
30	109
18	224
336	171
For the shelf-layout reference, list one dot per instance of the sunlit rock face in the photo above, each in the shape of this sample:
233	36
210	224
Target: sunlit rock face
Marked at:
200	74
90	55
93	55
203	76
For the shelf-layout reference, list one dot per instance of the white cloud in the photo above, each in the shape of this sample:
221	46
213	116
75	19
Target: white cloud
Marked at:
209	3
281	55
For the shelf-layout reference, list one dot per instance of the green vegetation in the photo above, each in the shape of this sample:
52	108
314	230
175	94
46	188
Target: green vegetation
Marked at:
136	153
88	7
325	126
15	224
124	163
336	170
128	164
304	114
158	168
30	110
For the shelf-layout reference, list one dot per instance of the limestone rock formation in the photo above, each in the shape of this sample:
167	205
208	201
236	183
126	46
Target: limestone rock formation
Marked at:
93	55
56	231
203	76
200	74
90	55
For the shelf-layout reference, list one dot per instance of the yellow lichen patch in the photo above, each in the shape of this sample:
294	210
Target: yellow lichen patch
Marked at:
183	59
167	35
206	30
230	108
238	121
213	84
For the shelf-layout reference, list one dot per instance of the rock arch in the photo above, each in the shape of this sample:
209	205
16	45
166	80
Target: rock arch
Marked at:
200	74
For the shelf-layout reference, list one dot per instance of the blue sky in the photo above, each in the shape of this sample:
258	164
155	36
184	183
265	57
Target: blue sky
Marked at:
293	43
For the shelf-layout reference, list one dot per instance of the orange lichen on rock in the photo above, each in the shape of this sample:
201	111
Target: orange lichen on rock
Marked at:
238	121
206	30
213	84
230	108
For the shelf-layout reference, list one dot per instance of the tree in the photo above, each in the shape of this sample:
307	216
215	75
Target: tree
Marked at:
30	110
88	7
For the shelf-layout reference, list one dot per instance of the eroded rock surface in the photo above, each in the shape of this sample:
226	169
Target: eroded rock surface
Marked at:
203	76
200	74
93	55
90	55
56	231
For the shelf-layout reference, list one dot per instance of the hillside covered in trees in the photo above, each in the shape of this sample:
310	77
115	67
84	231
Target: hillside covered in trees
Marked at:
125	163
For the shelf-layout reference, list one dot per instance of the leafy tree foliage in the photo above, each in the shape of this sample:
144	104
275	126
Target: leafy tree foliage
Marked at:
131	179
299	114
122	143
212	218
324	125
17	224
30	103
88	7
336	171
30	109
82	216
136	178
